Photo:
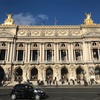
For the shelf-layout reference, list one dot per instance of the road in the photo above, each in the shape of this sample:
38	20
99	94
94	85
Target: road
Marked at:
63	93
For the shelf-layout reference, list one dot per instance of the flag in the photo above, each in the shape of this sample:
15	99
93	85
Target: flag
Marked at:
56	21
42	22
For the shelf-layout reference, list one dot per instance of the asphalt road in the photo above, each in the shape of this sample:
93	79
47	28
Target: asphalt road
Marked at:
63	93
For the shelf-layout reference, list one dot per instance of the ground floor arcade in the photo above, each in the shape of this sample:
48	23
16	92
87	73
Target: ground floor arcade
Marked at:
49	72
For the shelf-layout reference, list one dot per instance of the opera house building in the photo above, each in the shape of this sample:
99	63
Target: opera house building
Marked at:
46	52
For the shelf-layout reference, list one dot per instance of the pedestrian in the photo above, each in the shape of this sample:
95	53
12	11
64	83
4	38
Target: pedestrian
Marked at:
56	83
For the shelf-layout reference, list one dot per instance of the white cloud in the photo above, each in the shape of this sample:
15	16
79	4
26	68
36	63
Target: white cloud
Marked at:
43	16
28	19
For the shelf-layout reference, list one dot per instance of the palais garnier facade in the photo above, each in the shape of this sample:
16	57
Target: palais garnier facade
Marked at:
44	52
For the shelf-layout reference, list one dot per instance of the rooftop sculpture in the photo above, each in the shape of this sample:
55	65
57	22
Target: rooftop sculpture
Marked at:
9	20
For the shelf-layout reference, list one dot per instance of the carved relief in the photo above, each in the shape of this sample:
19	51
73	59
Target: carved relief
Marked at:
4	34
62	33
35	33
42	33
93	34
70	33
49	33
28	33
21	32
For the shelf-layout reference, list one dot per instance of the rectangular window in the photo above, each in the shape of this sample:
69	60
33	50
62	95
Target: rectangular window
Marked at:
2	54
63	55
35	55
49	55
20	55
95	54
78	55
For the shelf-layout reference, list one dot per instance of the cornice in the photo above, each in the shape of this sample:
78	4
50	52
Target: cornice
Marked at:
90	26
8	26
51	26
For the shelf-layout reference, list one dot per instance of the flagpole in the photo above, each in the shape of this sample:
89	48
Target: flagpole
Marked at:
55	20
42	21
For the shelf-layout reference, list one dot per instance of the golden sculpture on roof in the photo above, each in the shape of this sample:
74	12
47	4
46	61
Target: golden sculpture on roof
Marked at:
88	20
9	20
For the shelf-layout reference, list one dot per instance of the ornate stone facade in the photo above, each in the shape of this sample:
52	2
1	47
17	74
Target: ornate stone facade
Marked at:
46	52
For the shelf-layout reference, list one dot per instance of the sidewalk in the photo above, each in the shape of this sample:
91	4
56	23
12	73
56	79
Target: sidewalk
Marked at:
59	86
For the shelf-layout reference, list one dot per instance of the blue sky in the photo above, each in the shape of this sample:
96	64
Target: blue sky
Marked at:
67	12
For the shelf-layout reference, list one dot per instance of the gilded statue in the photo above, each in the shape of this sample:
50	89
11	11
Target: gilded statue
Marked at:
88	16
88	20
9	20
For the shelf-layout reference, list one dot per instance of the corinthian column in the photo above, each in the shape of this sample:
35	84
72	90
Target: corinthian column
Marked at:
40	52
8	53
55	52
28	51
43	53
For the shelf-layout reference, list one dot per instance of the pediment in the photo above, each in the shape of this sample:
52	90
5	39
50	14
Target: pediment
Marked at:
5	34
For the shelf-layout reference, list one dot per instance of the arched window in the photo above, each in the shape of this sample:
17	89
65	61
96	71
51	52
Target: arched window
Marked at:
34	74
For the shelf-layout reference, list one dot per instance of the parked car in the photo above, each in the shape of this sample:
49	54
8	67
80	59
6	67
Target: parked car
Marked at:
27	91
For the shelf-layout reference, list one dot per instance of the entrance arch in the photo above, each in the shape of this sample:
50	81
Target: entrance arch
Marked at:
64	73
18	74
49	74
2	74
34	74
79	73
97	73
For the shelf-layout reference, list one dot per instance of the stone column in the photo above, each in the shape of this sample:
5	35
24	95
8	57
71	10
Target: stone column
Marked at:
40	53
14	51
69	52
52	55
8	52
57	53
28	55
84	51
43	53
26	52
11	52
66	56
89	49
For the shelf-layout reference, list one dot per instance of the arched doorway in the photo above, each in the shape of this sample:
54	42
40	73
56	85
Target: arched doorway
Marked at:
49	74
34	74
64	73
18	74
97	73
79	73
2	74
